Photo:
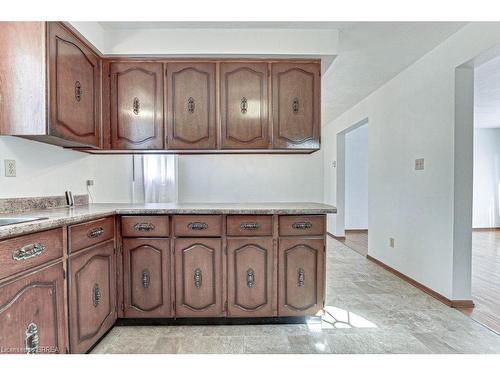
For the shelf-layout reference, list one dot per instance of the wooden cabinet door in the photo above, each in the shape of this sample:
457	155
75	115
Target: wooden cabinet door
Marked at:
74	76
190	106
92	299
198	276
296	105
250	277
137	105
301	276
147	277
32	316
244	103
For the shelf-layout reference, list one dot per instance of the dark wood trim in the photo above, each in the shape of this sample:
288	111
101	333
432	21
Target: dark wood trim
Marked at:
423	288
356	230
492	229
217	321
193	152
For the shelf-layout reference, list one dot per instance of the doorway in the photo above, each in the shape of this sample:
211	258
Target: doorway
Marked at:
353	175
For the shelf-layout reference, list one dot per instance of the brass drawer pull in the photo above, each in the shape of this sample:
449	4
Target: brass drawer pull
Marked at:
32	340
146	227
250	226
78	91
197	226
250	278
197	278
295	105
96	295
28	251
191	105
301	278
96	232
305	225
136	106
146	278
244	105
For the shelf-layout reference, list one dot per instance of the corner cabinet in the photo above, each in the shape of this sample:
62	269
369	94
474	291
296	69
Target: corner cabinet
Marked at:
55	95
74	88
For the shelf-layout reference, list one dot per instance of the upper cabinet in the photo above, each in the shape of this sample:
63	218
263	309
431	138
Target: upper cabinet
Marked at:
51	85
296	105
244	104
190	106
136	105
74	87
67	94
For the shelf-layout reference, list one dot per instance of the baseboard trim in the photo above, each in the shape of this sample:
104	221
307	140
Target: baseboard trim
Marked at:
491	229
357	230
459	304
335	237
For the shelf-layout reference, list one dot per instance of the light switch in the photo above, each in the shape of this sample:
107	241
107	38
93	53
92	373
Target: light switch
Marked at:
10	168
419	164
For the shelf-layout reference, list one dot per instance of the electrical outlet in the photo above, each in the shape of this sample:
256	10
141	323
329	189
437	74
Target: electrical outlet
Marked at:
391	242
419	164
90	182
10	168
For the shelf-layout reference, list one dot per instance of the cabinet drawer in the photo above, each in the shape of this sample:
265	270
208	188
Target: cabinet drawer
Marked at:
197	225
249	225
25	252
145	226
302	225
91	233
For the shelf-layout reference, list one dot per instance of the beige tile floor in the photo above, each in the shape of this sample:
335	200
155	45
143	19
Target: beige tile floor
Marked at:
369	311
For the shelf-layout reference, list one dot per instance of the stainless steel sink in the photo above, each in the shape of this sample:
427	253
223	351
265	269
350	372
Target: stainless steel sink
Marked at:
17	220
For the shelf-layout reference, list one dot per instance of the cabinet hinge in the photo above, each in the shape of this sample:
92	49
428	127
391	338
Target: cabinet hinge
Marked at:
225	306
173	306
64	274
122	307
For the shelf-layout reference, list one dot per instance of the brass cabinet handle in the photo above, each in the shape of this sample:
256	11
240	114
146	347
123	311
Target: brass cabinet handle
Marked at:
96	295
197	278
96	232
146	278
32	339
300	277
244	105
78	91
136	106
250	278
249	226
304	225
146	227
28	251
191	105
197	226
295	105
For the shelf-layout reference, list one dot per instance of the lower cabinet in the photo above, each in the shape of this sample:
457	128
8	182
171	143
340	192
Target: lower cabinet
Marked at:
301	276
147	277
92	295
198	277
32	318
251	280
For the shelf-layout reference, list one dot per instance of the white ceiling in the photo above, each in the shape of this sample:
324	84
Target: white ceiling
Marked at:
369	53
487	94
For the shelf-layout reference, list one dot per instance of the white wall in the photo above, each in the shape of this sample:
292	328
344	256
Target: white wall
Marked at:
413	116
356	178
251	178
42	169
486	213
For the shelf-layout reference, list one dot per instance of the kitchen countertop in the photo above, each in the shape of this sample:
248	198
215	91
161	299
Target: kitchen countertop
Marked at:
65	216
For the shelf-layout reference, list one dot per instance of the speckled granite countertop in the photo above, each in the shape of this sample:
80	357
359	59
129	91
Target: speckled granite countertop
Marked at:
66	216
